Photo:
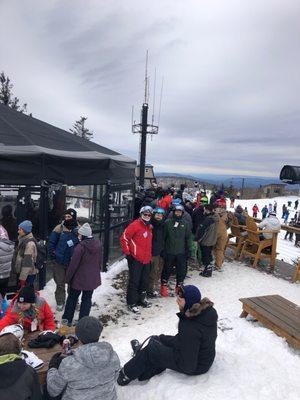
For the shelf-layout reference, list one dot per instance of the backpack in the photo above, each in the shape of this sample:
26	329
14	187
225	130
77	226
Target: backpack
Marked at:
41	252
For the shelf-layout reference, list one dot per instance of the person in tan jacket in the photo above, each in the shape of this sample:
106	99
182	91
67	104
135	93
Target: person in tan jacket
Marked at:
25	255
222	236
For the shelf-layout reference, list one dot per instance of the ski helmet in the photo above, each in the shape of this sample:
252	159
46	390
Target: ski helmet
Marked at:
16	330
146	209
179	208
159	210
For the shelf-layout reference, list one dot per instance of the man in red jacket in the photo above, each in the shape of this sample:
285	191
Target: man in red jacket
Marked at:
30	310
136	243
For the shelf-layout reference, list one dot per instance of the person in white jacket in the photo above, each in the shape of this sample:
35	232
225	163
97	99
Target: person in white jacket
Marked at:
271	223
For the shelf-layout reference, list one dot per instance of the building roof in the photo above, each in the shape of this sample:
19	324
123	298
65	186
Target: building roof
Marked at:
32	151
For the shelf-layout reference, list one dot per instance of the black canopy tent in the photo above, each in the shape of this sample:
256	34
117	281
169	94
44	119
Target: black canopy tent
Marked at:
32	151
36	154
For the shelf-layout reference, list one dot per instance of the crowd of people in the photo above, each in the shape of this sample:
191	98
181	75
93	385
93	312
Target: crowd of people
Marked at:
170	228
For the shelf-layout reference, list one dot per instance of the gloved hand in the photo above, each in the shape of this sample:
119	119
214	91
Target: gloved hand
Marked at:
129	259
56	360
22	283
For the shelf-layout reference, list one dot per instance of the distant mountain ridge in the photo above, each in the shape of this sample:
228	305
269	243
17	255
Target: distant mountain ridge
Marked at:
236	180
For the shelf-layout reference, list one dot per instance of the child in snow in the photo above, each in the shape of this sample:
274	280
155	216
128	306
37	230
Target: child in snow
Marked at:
191	351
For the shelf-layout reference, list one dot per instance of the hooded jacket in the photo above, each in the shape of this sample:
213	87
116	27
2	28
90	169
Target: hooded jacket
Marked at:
89	374
83	273
178	239
194	344
6	254
61	244
24	257
18	380
44	315
270	223
207	232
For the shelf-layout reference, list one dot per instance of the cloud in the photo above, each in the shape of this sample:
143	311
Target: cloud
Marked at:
231	76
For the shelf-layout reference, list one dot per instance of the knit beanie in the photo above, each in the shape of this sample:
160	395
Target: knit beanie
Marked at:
26	226
85	230
88	330
72	212
26	295
192	295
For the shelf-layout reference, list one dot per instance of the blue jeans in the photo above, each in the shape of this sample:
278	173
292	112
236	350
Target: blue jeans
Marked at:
85	307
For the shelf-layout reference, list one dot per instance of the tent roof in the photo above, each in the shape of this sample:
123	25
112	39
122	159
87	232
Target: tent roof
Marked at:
32	150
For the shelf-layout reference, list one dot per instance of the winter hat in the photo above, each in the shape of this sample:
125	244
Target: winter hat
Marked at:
26	295
72	212
26	226
85	230
209	207
192	295
179	208
176	202
88	330
239	209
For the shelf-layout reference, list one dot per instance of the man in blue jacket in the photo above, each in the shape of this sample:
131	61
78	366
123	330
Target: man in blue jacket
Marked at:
62	242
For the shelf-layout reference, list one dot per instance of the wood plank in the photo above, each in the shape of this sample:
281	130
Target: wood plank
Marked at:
268	324
273	319
290	307
275	310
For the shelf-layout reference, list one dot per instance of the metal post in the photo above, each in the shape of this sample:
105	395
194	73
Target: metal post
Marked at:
43	230
243	184
106	227
143	144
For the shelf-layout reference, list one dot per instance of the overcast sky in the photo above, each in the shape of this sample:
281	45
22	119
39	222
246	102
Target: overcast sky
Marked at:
231	69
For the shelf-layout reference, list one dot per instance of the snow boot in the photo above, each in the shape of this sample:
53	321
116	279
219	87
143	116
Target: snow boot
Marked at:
207	273
144	302
123	379
164	291
135	345
153	295
133	308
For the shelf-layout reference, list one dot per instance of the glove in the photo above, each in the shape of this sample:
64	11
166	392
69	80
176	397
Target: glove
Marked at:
22	283
56	360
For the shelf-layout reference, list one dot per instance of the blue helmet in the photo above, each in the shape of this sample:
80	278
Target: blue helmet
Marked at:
159	210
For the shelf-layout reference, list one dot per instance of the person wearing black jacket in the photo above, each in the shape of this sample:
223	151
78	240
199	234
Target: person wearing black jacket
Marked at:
157	250
191	351
18	381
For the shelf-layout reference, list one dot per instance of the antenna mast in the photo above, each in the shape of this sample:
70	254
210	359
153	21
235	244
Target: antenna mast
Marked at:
143	128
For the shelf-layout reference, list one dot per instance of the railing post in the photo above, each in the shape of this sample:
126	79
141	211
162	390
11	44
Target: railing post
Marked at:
106	227
274	247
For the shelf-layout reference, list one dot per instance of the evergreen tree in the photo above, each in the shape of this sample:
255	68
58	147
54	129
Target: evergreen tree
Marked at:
79	129
6	95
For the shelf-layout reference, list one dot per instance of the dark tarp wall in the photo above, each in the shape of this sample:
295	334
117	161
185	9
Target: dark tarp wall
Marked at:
32	150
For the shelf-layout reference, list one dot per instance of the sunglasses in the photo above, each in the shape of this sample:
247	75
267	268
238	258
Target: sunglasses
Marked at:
147	214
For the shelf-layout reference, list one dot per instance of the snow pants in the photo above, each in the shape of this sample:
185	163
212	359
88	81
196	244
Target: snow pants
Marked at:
206	254
219	249
138	281
59	275
155	273
151	360
180	262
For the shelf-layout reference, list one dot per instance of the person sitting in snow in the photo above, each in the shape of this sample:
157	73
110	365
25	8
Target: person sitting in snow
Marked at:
191	351
30	310
18	380
91	372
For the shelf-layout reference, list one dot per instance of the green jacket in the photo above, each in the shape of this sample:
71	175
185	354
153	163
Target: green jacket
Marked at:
178	240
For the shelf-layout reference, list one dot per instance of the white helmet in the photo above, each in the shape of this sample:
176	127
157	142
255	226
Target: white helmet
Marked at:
146	209
16	330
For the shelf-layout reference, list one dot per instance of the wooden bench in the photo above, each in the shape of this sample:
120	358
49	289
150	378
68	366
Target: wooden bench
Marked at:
237	235
44	354
276	313
255	247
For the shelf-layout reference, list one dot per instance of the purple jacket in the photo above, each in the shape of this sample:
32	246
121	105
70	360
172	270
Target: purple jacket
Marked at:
83	272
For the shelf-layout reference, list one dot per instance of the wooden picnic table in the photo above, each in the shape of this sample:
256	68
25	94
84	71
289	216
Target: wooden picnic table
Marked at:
44	353
276	313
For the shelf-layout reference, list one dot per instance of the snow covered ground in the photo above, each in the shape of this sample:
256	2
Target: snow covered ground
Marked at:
286	249
252	363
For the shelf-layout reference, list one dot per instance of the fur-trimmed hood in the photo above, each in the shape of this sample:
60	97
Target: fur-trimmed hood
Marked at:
204	310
